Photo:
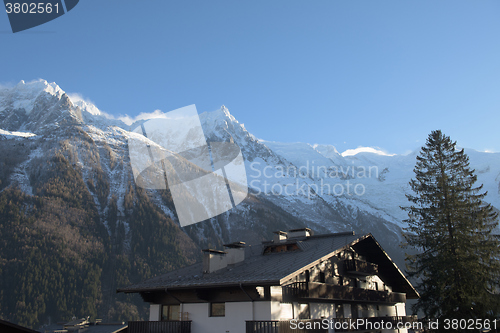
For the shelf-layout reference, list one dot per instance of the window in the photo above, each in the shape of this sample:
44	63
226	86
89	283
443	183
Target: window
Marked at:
363	309
304	311
170	312
339	311
217	309
354	311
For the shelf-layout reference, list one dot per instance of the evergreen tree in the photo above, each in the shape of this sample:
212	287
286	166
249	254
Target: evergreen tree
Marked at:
449	224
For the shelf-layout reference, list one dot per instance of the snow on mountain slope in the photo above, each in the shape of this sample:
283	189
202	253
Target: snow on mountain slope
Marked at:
365	179
84	105
8	134
92	115
302	155
387	183
329	151
261	162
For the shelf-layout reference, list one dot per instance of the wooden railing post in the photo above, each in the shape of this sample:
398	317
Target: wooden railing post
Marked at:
159	326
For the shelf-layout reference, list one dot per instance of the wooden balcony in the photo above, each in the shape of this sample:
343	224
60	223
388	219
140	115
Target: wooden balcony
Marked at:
281	326
159	326
359	267
324	291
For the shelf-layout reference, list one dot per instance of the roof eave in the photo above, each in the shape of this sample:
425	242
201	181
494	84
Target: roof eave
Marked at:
317	261
200	286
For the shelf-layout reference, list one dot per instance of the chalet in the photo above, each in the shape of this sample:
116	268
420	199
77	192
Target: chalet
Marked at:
296	279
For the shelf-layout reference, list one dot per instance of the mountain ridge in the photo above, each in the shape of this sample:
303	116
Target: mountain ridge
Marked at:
220	125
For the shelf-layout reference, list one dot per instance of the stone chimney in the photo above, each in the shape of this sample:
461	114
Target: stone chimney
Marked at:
213	260
279	236
235	252
300	233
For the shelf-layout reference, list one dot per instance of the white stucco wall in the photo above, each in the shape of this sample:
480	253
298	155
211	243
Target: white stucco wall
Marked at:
262	311
286	311
386	310
233	322
236	313
154	312
401	309
275	310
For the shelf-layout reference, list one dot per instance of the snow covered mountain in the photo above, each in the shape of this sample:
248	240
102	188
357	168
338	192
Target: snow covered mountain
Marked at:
291	184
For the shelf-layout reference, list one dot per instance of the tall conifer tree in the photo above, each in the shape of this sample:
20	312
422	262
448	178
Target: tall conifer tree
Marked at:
452	229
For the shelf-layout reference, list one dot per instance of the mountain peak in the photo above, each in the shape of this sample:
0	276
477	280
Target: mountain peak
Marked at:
218	116
35	105
35	87
224	113
23	95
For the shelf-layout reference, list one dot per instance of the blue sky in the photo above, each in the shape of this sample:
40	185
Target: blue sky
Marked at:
348	73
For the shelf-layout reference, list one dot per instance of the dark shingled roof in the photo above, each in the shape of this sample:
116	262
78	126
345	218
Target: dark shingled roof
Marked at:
6	326
259	269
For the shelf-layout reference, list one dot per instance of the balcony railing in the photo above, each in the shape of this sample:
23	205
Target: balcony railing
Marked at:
359	267
284	326
316	290
322	325
159	326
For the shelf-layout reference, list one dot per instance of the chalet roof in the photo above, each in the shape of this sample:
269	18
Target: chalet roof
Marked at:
6	326
278	268
235	245
300	229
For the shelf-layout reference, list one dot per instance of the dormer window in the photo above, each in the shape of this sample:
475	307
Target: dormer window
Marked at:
278	248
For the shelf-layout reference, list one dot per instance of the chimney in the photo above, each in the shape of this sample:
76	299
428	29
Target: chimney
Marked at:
299	233
235	252
213	260
279	236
